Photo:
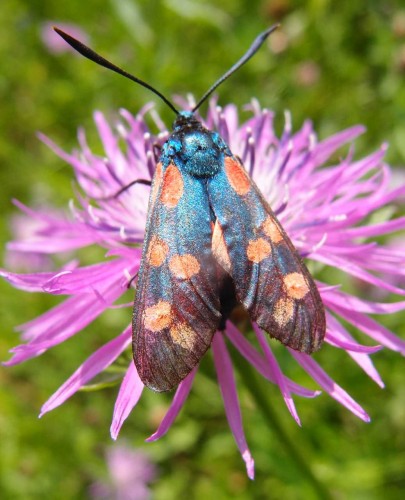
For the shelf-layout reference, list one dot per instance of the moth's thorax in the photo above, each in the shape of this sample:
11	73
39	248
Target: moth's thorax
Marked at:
193	148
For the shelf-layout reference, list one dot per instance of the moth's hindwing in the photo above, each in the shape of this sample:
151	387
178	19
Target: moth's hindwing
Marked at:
270	278
177	307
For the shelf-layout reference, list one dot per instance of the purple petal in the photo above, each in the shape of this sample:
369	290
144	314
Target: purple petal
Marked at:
177	404
96	363
376	229
354	270
373	329
345	301
275	368
78	165
95	277
55	234
110	143
128	396
65	320
227	385
333	339
31	282
361	358
331	387
327	147
56	326
260	364
382	198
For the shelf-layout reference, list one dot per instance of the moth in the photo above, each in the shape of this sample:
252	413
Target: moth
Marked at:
212	242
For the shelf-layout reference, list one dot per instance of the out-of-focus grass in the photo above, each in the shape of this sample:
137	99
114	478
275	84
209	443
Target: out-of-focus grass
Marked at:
337	63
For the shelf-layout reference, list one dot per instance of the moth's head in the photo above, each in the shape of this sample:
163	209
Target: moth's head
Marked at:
185	119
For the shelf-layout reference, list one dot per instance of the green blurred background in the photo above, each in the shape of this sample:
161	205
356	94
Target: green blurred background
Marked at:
338	63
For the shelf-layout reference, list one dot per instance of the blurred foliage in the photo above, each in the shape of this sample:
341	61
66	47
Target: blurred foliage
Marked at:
337	63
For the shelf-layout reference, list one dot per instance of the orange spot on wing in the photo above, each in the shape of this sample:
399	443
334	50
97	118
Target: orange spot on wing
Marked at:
184	266
158	317
295	285
258	250
173	186
157	251
219	248
272	230
183	335
283	311
237	176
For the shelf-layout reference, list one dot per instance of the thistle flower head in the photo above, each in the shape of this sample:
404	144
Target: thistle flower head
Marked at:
130	472
324	202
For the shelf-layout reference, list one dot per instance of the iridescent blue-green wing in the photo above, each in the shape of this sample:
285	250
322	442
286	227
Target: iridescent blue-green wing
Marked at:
177	309
270	278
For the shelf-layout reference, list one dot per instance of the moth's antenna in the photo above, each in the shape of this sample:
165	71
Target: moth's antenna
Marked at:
252	50
93	56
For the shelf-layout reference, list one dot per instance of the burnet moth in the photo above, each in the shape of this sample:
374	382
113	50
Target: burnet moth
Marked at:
212	242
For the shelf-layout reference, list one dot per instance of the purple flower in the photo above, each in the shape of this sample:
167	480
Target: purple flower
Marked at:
324	204
130	471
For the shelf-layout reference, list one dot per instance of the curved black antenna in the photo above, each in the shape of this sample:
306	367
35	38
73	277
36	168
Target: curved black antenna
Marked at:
93	56
252	50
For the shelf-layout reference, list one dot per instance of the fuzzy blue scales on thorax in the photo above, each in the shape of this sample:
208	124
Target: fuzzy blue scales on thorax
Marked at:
193	148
